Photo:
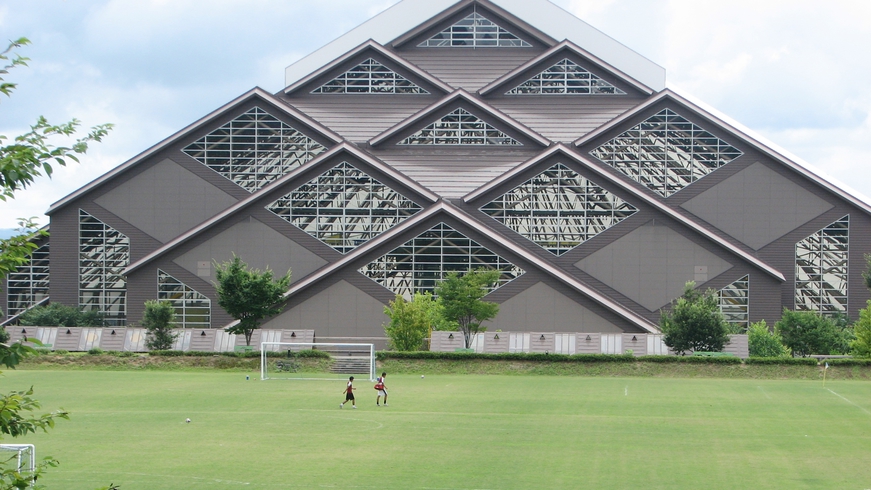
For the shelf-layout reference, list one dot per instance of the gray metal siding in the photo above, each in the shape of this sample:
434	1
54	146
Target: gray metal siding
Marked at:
468	68
359	118
564	118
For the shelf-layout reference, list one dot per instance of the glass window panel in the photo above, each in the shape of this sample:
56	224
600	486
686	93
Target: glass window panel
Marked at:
191	307
735	303
474	31
369	77
666	152
104	253
564	209
565	78
351	207
821	273
254	149
459	127
430	257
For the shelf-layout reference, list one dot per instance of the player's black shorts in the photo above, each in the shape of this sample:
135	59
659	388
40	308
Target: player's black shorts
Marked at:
349	397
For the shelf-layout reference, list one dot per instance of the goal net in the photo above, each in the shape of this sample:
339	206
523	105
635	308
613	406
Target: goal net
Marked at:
22	457
286	360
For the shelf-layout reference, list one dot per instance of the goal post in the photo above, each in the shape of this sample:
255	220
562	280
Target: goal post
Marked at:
23	455
278	360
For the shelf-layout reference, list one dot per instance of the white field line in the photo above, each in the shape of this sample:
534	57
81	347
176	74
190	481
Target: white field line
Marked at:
764	392
626	391
848	401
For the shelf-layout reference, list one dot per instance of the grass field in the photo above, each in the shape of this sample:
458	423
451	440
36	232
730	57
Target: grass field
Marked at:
450	432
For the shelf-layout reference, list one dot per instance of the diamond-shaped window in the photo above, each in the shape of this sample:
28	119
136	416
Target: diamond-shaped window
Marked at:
344	207
666	152
254	149
369	77
474	31
459	127
559	209
420	264
566	78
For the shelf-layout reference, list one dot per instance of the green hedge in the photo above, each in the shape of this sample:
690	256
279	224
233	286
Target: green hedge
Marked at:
308	353
691	359
794	361
847	362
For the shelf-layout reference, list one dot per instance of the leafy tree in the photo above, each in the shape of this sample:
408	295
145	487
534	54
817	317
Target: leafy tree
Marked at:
411	321
28	156
808	332
765	343
694	322
248	295
58	315
460	296
861	346
159	319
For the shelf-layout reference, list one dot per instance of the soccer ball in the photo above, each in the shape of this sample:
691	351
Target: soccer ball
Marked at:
421	376
187	421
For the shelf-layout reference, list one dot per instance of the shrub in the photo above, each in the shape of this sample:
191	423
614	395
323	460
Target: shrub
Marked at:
807	332
159	319
58	315
694	322
4	336
798	361
861	347
411	321
765	343
96	351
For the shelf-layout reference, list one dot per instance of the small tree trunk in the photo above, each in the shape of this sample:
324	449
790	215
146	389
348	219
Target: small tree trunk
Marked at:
248	334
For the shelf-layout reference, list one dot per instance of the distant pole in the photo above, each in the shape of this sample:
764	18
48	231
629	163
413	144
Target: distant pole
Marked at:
825	370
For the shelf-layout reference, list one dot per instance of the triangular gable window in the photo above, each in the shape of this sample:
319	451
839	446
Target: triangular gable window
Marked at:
559	209
369	77
474	31
822	269
735	303
666	152
254	149
460	127
565	78
192	308
420	264
344	207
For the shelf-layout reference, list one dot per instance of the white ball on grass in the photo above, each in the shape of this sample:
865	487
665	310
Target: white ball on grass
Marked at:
421	376
187	421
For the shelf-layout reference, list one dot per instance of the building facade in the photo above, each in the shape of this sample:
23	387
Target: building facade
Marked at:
445	136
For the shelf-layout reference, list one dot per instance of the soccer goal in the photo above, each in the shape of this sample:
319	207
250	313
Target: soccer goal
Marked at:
23	456
281	360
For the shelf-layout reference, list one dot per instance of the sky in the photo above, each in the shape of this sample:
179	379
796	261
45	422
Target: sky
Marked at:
797	72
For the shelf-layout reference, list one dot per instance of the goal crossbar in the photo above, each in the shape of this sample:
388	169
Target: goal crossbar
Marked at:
361	356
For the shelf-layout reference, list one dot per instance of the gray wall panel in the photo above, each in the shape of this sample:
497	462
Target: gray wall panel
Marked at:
757	205
165	200
543	308
651	264
340	310
258	245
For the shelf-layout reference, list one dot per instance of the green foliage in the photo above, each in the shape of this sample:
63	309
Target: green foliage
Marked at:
808	332
411	321
784	361
694	322
159	319
248	295
58	315
32	153
95	351
460	296
866	275
4	336
861	346
763	342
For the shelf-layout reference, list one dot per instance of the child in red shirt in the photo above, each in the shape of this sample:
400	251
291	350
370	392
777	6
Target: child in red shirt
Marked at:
349	394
